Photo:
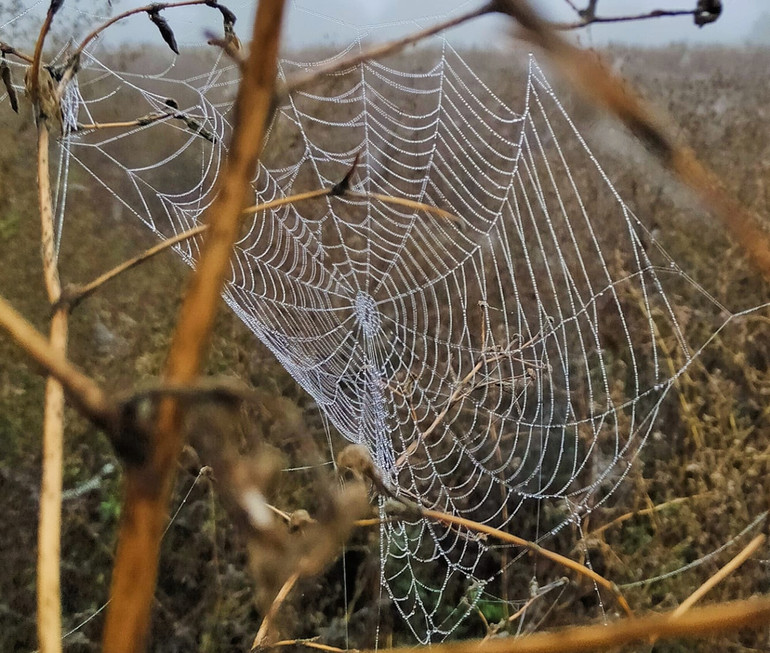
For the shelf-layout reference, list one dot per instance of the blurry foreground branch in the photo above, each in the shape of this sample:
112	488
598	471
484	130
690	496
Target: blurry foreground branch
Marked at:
148	489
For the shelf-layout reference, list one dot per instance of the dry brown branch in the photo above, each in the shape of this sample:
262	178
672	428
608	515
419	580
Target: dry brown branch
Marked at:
697	624
301	80
49	518
594	81
718	577
409	204
148	489
75	294
454	520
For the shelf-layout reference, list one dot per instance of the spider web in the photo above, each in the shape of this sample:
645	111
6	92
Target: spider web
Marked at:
503	360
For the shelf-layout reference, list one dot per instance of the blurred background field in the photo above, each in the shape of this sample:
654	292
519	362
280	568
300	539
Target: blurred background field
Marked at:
705	468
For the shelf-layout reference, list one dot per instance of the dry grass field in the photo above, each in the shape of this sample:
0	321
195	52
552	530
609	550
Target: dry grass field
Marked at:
705	469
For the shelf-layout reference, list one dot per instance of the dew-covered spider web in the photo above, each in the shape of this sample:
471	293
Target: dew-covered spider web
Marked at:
503	358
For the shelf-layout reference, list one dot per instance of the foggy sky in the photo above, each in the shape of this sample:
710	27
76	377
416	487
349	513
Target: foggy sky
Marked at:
340	22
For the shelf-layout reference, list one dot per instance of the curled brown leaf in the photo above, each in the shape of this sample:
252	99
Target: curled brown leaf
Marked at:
164	28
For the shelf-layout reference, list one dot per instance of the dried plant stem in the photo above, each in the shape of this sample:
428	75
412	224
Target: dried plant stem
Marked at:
261	639
49	524
718	577
502	536
305	79
696	624
138	122
37	56
316	646
75	294
148	489
291	199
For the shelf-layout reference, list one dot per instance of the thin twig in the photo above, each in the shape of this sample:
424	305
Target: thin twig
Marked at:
700	623
410	204
148	489
317	646
476	527
34	71
264	629
590	20
159	6
73	295
301	80
718	577
6	48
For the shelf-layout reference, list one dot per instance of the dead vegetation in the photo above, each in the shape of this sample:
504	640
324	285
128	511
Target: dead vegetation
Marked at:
701	480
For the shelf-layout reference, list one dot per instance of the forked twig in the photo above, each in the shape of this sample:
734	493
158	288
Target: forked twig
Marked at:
656	13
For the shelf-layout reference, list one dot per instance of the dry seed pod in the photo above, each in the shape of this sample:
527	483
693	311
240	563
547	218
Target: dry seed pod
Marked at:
163	28
55	6
5	72
228	16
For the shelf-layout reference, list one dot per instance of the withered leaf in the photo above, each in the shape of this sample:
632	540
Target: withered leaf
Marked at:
163	28
5	72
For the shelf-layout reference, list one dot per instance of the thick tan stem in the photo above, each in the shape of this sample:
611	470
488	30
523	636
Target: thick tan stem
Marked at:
148	488
49	527
697	624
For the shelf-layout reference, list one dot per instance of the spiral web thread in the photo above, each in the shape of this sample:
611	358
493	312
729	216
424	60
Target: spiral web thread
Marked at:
505	363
